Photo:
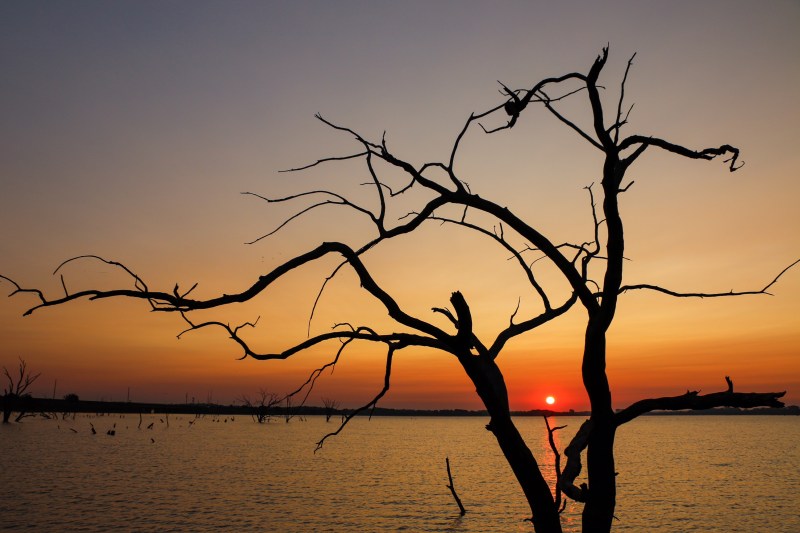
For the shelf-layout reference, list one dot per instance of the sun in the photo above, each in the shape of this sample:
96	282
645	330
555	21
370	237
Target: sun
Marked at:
550	400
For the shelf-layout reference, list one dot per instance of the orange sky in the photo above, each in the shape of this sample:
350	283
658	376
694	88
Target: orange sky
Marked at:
130	129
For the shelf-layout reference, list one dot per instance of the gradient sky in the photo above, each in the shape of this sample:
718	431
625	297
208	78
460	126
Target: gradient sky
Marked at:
129	130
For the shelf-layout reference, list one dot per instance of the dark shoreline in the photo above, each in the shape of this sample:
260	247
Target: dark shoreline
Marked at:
46	405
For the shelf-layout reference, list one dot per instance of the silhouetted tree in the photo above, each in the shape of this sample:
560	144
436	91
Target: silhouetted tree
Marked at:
593	271
15	397
261	408
288	409
331	406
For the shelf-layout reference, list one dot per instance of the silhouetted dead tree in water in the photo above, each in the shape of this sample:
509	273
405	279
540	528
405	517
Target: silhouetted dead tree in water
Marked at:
287	411
452	487
15	394
592	270
261	408
330	406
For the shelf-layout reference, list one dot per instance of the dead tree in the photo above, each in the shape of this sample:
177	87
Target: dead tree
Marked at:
592	269
330	406
288	410
261	408
15	395
450	485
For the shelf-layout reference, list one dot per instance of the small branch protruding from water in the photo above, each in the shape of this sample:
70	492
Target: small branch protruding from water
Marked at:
560	505
453	489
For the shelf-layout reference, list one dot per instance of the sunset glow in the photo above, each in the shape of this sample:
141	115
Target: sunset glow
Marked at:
131	135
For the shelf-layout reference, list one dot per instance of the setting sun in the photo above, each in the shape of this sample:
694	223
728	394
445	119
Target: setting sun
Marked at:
550	400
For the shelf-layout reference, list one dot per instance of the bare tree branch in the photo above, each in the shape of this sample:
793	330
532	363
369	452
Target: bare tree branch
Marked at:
514	330
693	400
706	153
312	378
19	385
572	125
325	160
162	301
499	238
556	461
656	288
620	121
370	404
337	200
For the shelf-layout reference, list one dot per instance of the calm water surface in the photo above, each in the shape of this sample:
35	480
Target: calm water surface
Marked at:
676	474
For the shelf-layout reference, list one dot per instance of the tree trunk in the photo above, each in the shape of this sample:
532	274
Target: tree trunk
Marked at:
598	512
489	384
8	407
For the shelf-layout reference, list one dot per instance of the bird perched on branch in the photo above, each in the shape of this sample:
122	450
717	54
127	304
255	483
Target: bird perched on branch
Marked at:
515	105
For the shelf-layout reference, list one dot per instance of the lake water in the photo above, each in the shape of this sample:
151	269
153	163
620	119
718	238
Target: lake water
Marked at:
676	474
